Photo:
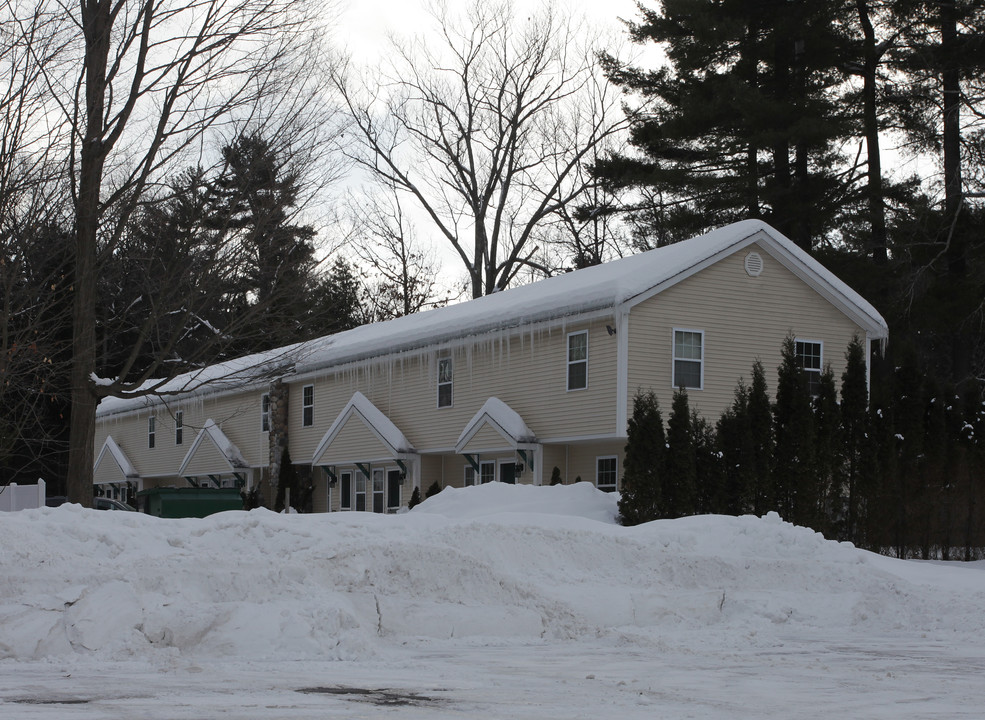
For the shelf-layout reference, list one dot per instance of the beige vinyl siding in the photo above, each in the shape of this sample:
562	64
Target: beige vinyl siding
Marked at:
320	495
432	469
582	456
743	318
207	460
108	470
527	371
238	415
487	439
354	442
554	456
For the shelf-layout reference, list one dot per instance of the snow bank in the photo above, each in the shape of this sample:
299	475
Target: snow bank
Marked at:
487	565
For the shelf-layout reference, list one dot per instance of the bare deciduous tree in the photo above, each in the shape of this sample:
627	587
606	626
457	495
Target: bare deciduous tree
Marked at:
139	89
486	129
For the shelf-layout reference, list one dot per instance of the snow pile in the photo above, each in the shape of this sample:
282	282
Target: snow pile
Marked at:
486	565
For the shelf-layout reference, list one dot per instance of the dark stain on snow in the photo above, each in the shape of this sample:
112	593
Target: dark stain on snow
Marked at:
49	701
377	696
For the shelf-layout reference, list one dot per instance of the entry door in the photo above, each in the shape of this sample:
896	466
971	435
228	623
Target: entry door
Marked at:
507	472
393	489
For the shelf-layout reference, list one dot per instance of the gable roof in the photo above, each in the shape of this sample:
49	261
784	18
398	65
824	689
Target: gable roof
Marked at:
619	283
229	452
116	452
502	418
379	424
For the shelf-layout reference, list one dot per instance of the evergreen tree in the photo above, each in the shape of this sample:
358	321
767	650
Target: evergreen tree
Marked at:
734	440
709	479
415	499
763	493
556	476
826	507
336	303
741	120
433	489
794	475
640	501
678	493
855	440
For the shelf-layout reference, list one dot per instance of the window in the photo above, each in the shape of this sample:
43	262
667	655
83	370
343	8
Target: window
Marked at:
308	406
606	473
345	490
487	471
809	354
360	492
578	360
445	375
469	476
179	427
688	359
151	424
265	412
378	487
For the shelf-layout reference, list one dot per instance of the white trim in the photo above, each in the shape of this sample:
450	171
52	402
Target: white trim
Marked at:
499	416
179	427
507	461
569	362
352	488
622	373
673	357
151	432
820	370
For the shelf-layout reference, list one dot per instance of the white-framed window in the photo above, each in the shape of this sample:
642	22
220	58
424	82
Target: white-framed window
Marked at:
179	427
606	472
379	486
446	374
689	359
265	412
345	490
578	360
151	430
487	471
810	357
360	491
469	476
308	406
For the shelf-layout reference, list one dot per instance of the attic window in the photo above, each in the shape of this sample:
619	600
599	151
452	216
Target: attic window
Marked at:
754	264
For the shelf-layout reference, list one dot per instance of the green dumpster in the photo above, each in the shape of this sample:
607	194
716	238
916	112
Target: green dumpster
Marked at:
169	502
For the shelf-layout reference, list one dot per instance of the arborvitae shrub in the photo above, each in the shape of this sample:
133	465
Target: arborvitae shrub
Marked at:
432	490
415	498
556	476
645	448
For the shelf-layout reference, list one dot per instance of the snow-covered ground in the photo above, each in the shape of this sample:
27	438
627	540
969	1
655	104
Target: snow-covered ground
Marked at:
493	602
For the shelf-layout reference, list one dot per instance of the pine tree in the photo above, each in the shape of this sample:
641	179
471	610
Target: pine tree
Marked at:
678	492
794	475
640	501
763	492
855	440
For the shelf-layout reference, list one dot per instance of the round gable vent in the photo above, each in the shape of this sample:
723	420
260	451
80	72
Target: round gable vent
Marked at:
754	264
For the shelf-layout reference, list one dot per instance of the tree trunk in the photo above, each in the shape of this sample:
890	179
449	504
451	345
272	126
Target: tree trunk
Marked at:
874	191
96	25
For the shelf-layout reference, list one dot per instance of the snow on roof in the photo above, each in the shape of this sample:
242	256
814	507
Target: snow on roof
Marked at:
223	444
592	289
503	417
121	457
383	426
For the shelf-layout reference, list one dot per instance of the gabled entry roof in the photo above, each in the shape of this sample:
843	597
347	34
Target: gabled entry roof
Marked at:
499	416
394	444
111	450
211	453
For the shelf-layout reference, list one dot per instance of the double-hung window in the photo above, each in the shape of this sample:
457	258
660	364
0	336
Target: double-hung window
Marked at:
689	359
487	473
308	406
378	489
606	473
151	430
578	360
445	379
809	357
265	412
179	427
360	492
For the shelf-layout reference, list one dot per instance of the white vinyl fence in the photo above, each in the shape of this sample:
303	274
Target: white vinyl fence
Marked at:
22	497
